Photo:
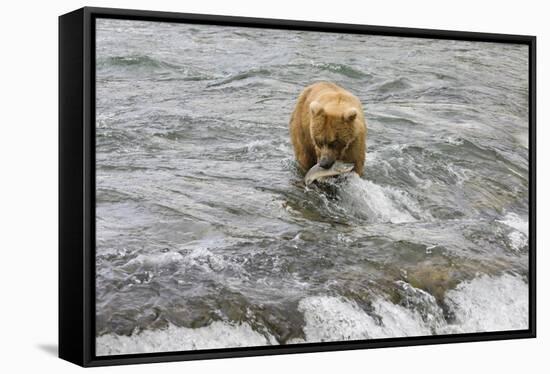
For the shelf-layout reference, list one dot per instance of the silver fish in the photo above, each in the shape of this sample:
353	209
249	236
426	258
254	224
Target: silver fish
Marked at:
317	172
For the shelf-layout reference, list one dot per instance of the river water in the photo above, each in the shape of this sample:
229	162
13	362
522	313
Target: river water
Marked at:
208	238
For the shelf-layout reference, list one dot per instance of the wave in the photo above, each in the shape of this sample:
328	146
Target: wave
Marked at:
145	64
342	69
483	304
331	318
194	256
518	237
216	335
376	203
489	304
516	222
392	86
274	72
241	76
134	60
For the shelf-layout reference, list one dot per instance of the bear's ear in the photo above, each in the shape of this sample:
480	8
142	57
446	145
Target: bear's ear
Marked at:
350	115
316	108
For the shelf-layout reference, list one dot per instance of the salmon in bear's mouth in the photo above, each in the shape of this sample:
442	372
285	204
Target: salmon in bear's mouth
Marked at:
318	172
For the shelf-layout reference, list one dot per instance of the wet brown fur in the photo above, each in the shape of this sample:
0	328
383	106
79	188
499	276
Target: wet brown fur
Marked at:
328	121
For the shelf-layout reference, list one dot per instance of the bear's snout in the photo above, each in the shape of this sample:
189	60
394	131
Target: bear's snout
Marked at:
326	162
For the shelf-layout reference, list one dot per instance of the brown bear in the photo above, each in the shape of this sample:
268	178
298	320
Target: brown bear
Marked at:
328	124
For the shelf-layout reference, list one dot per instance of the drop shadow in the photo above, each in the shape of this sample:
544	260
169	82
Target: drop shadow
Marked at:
50	349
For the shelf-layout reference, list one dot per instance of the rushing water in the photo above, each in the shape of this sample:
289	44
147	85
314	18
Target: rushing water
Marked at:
208	238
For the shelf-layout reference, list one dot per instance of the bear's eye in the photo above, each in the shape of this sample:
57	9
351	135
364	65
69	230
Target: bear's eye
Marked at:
333	144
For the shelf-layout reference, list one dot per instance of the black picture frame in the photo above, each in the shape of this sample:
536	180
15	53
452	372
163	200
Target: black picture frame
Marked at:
77	185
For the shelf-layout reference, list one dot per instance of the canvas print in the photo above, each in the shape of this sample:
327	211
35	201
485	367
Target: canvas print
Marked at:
262	187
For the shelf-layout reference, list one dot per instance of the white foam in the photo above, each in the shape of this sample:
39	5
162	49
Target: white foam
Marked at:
480	305
378	203
256	145
454	140
152	260
216	335
519	238
399	321
334	319
516	222
206	259
489	304
196	256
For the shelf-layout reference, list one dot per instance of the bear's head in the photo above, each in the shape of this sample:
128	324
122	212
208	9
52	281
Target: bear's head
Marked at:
332	129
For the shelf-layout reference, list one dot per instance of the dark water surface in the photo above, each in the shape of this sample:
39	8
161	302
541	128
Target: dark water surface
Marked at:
207	236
